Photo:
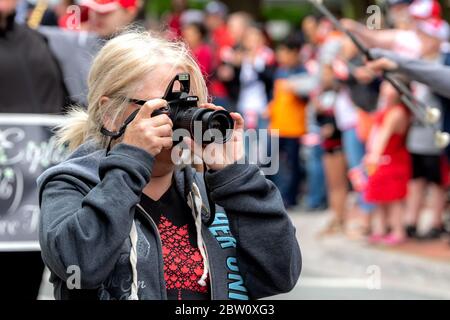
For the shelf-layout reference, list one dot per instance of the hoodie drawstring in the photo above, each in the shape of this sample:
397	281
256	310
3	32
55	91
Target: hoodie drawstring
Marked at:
133	262
195	203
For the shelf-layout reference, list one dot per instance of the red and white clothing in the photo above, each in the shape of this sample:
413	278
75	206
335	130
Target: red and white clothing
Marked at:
183	263
389	181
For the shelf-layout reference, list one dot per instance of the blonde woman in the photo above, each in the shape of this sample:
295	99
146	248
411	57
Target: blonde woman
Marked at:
126	223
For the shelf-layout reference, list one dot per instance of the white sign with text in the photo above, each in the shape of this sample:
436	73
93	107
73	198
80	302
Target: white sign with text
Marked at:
27	148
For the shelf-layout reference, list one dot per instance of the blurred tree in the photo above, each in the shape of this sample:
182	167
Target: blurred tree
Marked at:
357	9
254	6
292	13
290	10
445	6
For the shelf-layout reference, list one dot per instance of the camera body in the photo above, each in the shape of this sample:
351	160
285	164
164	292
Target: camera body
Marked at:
182	108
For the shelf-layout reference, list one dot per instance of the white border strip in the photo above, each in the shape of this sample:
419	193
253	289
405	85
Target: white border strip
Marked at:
31	119
19	246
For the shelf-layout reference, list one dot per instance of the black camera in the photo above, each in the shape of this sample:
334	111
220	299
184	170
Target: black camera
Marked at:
216	125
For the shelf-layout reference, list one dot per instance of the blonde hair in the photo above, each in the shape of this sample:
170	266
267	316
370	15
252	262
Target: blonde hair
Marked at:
117	70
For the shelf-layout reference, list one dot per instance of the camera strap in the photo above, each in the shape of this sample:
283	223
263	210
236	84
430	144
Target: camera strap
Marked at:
211	204
115	135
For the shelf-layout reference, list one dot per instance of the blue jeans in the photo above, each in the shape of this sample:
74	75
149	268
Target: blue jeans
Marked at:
316	195
289	174
354	151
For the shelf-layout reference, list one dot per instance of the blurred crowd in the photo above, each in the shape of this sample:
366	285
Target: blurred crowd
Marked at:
346	139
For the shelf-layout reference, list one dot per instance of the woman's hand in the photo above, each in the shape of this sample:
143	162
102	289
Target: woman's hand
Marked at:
382	64
371	162
216	155
150	133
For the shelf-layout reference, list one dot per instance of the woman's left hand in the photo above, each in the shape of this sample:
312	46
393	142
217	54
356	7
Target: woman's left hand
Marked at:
216	155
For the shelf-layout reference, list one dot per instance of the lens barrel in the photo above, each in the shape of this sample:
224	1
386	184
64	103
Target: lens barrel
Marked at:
216	125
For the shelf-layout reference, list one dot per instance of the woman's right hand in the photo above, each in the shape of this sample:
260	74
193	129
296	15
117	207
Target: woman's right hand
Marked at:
152	134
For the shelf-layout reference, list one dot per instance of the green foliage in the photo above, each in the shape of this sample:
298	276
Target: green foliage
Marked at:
293	13
159	7
288	11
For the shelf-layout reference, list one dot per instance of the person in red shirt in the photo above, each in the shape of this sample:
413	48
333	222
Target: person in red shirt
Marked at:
216	16
174	18
221	40
194	34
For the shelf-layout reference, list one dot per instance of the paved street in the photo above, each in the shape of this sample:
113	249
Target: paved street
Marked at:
336	268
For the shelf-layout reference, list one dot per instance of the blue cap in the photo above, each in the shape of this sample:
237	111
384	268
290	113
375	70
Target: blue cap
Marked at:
216	8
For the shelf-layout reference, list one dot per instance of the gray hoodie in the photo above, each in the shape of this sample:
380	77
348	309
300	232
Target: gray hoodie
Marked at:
91	221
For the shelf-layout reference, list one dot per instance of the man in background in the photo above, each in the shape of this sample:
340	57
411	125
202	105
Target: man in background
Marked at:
30	82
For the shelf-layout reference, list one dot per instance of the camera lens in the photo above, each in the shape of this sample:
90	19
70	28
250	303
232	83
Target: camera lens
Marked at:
205	125
215	126
218	126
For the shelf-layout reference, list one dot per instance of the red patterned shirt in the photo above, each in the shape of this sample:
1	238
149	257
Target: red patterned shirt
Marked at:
183	263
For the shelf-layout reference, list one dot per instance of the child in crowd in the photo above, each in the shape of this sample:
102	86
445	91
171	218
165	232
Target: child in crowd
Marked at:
255	77
287	119
388	166
194	35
